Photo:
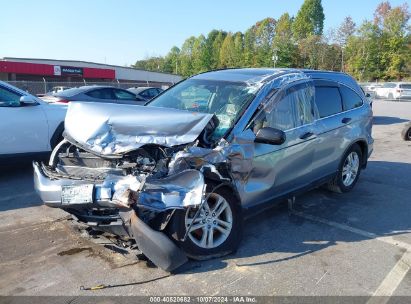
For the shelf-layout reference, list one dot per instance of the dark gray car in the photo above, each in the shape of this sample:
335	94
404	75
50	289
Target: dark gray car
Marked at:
106	94
145	93
179	174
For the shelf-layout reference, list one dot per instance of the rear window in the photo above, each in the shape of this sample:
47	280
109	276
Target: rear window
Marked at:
328	101
351	100
405	86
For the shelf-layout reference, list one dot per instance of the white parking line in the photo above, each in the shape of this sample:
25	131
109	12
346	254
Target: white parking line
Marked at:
397	273
395	276
386	239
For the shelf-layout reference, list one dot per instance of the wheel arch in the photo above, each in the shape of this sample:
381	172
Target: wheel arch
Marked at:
57	135
364	151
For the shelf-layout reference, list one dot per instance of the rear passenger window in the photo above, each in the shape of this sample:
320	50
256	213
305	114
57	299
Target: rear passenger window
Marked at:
123	95
328	101
101	94
351	100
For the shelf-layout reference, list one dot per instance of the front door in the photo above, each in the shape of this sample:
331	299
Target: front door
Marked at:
280	169
23	128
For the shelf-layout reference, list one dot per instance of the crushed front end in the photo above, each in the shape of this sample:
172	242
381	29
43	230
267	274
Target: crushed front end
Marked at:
130	184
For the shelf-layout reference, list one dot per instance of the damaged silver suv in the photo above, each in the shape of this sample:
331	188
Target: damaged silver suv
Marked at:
178	174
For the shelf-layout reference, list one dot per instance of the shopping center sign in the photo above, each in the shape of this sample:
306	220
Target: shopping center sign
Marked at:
67	71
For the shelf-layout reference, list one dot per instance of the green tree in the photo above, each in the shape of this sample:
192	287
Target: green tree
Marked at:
171	61
227	52
310	50
186	57
215	50
395	37
309	20
345	31
284	44
249	48
363	53
238	49
209	51
200	55
264	36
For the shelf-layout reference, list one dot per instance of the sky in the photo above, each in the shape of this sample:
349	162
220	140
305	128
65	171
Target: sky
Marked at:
120	32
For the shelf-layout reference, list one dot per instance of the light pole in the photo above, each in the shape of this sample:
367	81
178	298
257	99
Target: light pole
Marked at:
275	57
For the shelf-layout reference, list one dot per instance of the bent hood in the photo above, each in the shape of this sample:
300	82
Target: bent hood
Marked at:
112	129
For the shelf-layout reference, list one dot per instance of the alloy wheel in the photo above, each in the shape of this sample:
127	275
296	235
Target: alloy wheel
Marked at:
213	225
350	169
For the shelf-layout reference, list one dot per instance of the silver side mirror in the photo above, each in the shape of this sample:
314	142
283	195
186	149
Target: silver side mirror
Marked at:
28	100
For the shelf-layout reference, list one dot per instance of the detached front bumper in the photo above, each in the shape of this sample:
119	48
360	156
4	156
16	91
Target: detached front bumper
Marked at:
154	244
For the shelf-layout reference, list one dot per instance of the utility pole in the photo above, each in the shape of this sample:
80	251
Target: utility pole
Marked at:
275	57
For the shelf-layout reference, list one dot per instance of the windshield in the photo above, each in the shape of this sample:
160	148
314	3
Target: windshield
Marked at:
227	100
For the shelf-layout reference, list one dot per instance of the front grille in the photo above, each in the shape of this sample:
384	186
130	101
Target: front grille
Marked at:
86	166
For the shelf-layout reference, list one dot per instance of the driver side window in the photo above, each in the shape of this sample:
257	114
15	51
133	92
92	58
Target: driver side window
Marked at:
9	98
288	109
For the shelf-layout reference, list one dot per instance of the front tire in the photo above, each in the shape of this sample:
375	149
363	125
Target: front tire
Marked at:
348	171
217	231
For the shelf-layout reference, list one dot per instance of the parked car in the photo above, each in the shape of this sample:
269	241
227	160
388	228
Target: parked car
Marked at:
178	175
106	94
29	127
53	91
369	89
145	93
406	132
394	91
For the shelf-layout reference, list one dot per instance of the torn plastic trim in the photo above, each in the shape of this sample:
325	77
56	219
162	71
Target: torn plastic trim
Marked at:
154	244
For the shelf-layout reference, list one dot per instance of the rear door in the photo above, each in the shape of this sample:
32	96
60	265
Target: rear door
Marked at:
23	128
333	125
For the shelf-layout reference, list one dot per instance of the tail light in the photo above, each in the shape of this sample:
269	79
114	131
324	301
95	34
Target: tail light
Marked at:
399	91
63	100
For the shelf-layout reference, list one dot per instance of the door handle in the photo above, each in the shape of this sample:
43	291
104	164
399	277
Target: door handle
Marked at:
346	120
306	135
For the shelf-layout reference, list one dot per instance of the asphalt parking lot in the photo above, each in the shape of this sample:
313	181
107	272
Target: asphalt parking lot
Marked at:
355	244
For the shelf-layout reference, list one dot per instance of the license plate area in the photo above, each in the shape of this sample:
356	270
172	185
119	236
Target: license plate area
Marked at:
77	195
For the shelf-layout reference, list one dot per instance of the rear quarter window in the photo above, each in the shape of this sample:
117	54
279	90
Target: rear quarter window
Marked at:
328	101
351	100
101	94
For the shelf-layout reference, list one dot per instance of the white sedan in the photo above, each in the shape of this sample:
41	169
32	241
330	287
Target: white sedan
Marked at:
29	127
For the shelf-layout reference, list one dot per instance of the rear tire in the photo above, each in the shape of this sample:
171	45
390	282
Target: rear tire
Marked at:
406	132
217	231
348	171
